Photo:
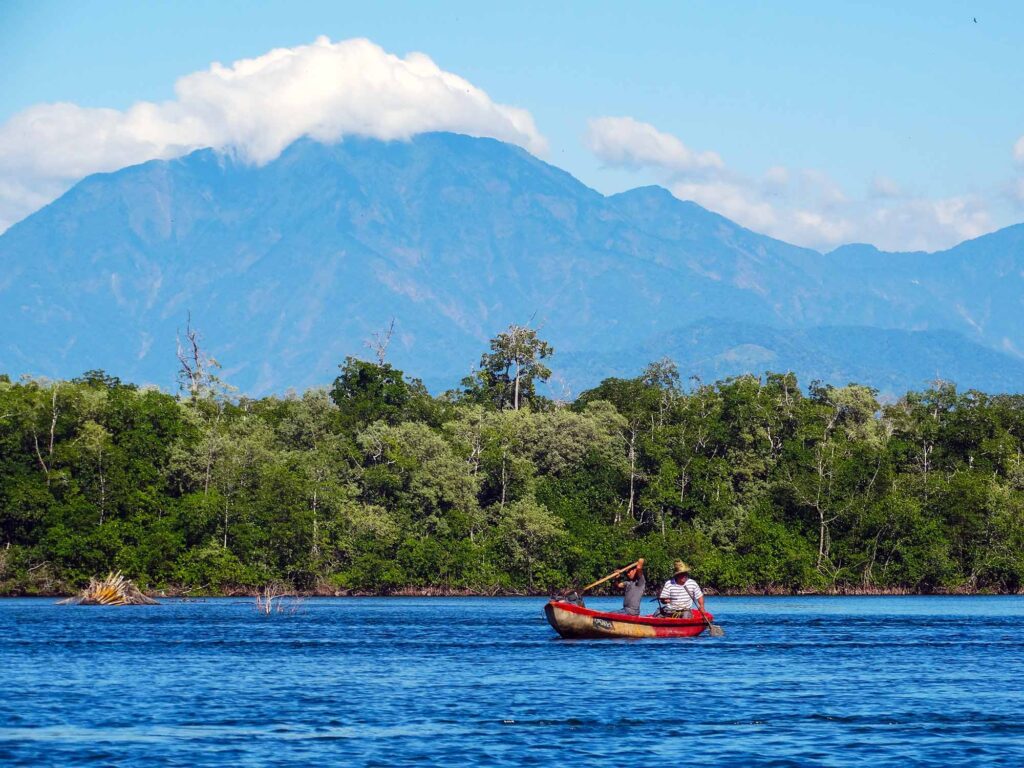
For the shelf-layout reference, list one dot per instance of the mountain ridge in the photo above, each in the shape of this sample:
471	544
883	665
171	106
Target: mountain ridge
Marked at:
286	268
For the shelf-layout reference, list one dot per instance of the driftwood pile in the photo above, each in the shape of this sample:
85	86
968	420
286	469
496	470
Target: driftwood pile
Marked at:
115	589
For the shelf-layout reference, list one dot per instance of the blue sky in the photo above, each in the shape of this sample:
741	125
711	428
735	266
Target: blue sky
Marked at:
824	116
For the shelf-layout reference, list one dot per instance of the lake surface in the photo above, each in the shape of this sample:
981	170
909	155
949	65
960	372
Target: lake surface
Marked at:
465	681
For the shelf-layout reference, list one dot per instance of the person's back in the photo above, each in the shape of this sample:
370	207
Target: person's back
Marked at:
634	586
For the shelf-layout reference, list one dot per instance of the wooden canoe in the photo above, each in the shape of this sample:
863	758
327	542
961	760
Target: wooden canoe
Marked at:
570	620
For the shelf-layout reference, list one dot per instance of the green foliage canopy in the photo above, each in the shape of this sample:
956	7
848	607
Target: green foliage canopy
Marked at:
376	485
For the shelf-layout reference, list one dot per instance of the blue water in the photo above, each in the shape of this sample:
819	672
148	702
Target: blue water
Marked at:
795	681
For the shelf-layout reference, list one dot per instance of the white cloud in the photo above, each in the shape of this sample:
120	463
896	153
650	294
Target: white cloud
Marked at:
255	107
923	224
732	200
1016	186
623	141
819	186
803	206
817	227
776	177
1016	191
884	187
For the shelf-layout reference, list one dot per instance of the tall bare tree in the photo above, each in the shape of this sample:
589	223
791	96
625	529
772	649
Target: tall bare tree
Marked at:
380	341
196	371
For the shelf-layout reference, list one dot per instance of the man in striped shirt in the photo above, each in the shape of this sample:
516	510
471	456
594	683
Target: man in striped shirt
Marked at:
679	593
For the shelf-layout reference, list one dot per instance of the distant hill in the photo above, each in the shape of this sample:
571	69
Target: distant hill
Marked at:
892	361
289	267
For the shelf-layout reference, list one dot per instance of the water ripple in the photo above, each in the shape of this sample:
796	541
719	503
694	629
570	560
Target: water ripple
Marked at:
795	682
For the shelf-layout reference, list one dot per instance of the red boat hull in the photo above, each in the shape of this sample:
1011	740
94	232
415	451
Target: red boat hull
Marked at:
573	621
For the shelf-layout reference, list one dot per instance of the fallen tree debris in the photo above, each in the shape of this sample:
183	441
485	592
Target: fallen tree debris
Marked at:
115	589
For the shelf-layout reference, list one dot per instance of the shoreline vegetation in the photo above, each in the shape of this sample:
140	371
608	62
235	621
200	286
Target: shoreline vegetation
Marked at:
373	486
173	593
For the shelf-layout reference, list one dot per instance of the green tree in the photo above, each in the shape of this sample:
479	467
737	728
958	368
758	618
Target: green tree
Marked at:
508	372
524	532
368	392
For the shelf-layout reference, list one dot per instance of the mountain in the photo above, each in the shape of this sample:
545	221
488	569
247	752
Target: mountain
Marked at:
892	361
289	267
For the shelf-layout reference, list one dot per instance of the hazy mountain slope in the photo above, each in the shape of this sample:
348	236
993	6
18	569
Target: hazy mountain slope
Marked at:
976	287
289	267
891	361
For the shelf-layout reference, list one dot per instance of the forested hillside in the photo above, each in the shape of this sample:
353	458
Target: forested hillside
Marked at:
375	485
290	265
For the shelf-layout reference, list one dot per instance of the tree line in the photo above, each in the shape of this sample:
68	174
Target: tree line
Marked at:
375	485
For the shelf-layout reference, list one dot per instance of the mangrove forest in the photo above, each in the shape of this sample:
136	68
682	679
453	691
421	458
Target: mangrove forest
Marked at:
374	485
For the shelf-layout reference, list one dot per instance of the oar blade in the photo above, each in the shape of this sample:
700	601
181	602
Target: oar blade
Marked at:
716	631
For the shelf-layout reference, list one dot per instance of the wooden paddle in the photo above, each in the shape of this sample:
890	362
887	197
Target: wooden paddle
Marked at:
713	629
610	576
576	597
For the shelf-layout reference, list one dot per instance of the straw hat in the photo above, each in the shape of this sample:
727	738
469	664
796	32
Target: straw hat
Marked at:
679	567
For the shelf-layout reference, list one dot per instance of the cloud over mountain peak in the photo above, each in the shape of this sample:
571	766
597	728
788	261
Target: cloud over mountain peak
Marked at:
255	108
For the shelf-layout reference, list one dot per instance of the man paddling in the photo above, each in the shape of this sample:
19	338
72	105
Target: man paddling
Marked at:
633	585
679	594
